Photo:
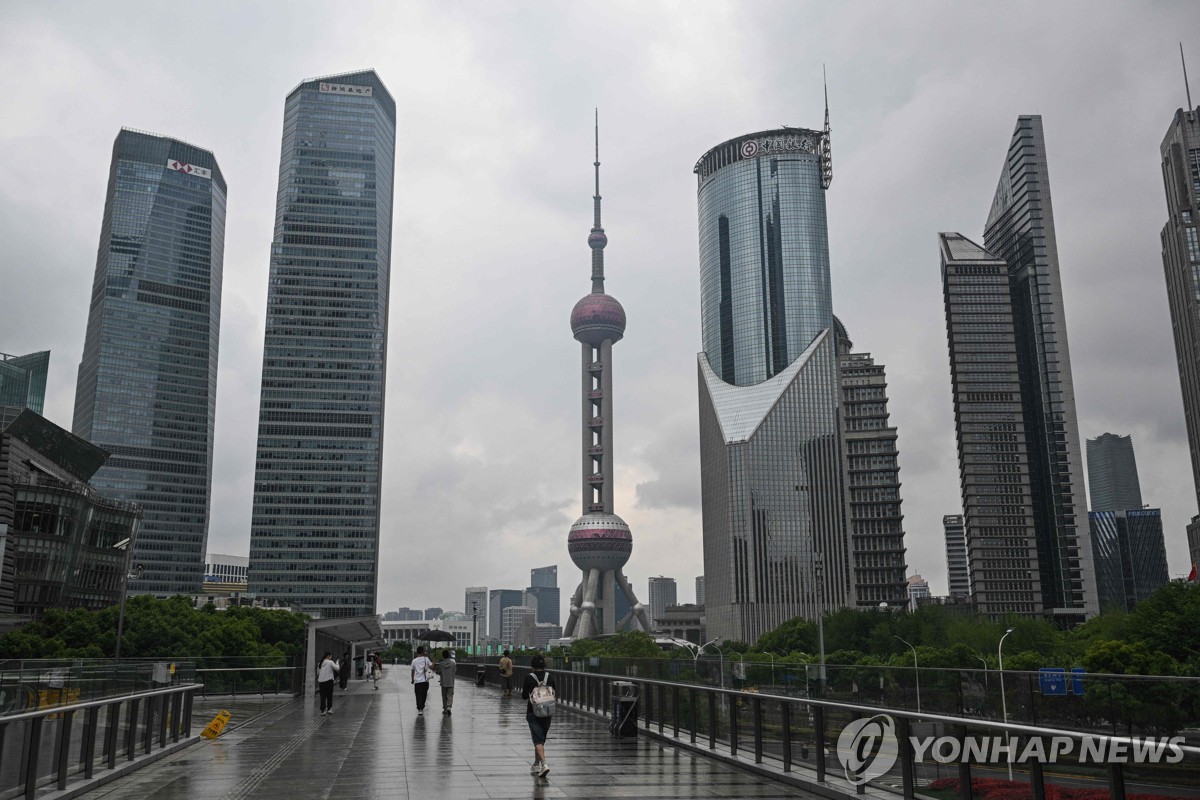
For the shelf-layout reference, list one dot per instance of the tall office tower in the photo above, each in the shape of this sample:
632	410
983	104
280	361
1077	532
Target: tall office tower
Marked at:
544	576
958	574
147	385
1020	230
314	534
776	544
873	477
1130	554
662	594
498	600
700	590
1180	152
475	604
1112	473
518	626
599	542
23	380
993	470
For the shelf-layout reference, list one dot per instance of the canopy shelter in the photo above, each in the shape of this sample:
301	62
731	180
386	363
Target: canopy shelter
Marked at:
337	636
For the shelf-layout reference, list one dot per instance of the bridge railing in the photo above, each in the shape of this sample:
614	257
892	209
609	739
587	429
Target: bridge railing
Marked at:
250	680
798	737
28	685
48	748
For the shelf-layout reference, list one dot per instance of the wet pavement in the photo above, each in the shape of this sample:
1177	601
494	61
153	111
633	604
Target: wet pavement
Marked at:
375	745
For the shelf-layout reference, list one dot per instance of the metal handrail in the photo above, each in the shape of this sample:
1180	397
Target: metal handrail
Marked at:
8	719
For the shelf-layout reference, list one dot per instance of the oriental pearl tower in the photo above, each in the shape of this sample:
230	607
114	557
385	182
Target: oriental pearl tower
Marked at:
599	542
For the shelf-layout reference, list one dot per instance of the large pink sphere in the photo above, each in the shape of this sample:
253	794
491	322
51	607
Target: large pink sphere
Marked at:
600	541
597	317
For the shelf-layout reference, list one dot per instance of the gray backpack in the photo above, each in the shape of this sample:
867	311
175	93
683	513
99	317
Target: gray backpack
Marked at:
542	697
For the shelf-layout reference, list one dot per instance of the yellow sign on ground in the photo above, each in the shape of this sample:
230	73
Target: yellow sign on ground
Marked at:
214	728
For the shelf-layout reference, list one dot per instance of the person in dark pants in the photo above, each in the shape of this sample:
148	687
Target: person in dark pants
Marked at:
344	670
326	674
422	671
539	727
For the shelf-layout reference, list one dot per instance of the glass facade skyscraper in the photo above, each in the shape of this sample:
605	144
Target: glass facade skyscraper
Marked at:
1020	230
147	385
993	464
958	577
314	535
1112	473
662	593
1180	152
776	544
1130	556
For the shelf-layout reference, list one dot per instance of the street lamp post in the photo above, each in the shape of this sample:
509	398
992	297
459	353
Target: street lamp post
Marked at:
127	546
1004	699
819	575
916	672
983	661
698	650
474	627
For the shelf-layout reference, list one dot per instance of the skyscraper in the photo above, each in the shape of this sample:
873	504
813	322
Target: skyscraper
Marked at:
544	593
498	600
23	380
993	468
314	534
662	594
873	479
1180	152
1112	473
700	590
1020	230
599	542
775	538
1130	555
475	604
544	576
147	385
958	576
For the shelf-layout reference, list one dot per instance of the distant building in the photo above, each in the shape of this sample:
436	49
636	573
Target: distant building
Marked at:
663	593
23	381
1130	555
1112	473
433	613
410	631
224	575
958	573
684	621
475	602
62	543
700	590
1180	151
545	633
518	626
918	589
498	600
548	602
544	577
872	479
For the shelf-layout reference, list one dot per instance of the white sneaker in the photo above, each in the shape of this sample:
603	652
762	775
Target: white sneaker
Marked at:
535	768
544	771
323	713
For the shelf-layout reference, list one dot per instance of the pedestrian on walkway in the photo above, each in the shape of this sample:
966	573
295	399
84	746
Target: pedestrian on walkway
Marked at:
538	726
344	670
446	668
421	672
506	674
376	669
325	676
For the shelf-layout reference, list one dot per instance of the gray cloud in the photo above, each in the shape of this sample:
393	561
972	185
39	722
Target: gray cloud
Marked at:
493	206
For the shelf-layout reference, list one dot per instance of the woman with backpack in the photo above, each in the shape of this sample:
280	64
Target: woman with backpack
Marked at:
538	711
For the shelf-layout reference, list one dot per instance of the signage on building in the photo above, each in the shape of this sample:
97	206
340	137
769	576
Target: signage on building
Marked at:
190	169
774	145
345	88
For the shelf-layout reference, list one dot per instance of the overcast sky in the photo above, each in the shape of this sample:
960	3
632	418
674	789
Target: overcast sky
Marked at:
493	206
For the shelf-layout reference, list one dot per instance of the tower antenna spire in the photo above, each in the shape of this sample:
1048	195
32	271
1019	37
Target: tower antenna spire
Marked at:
597	238
826	148
1186	87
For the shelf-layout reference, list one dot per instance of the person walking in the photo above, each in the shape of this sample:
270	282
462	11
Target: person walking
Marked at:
376	669
421	672
539	727
446	669
506	674
325	676
344	670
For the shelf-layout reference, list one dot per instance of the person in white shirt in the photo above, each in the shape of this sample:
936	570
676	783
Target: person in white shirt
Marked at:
422	671
326	674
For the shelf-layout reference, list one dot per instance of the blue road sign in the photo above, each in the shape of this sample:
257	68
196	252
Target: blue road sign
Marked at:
1053	681
1076	685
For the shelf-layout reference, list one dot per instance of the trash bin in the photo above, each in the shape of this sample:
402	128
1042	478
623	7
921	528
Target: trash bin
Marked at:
625	710
480	674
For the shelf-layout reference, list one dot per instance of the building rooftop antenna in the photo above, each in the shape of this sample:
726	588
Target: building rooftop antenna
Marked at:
1186	87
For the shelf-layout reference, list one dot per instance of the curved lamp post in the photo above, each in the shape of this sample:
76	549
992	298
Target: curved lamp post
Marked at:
1003	698
916	671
